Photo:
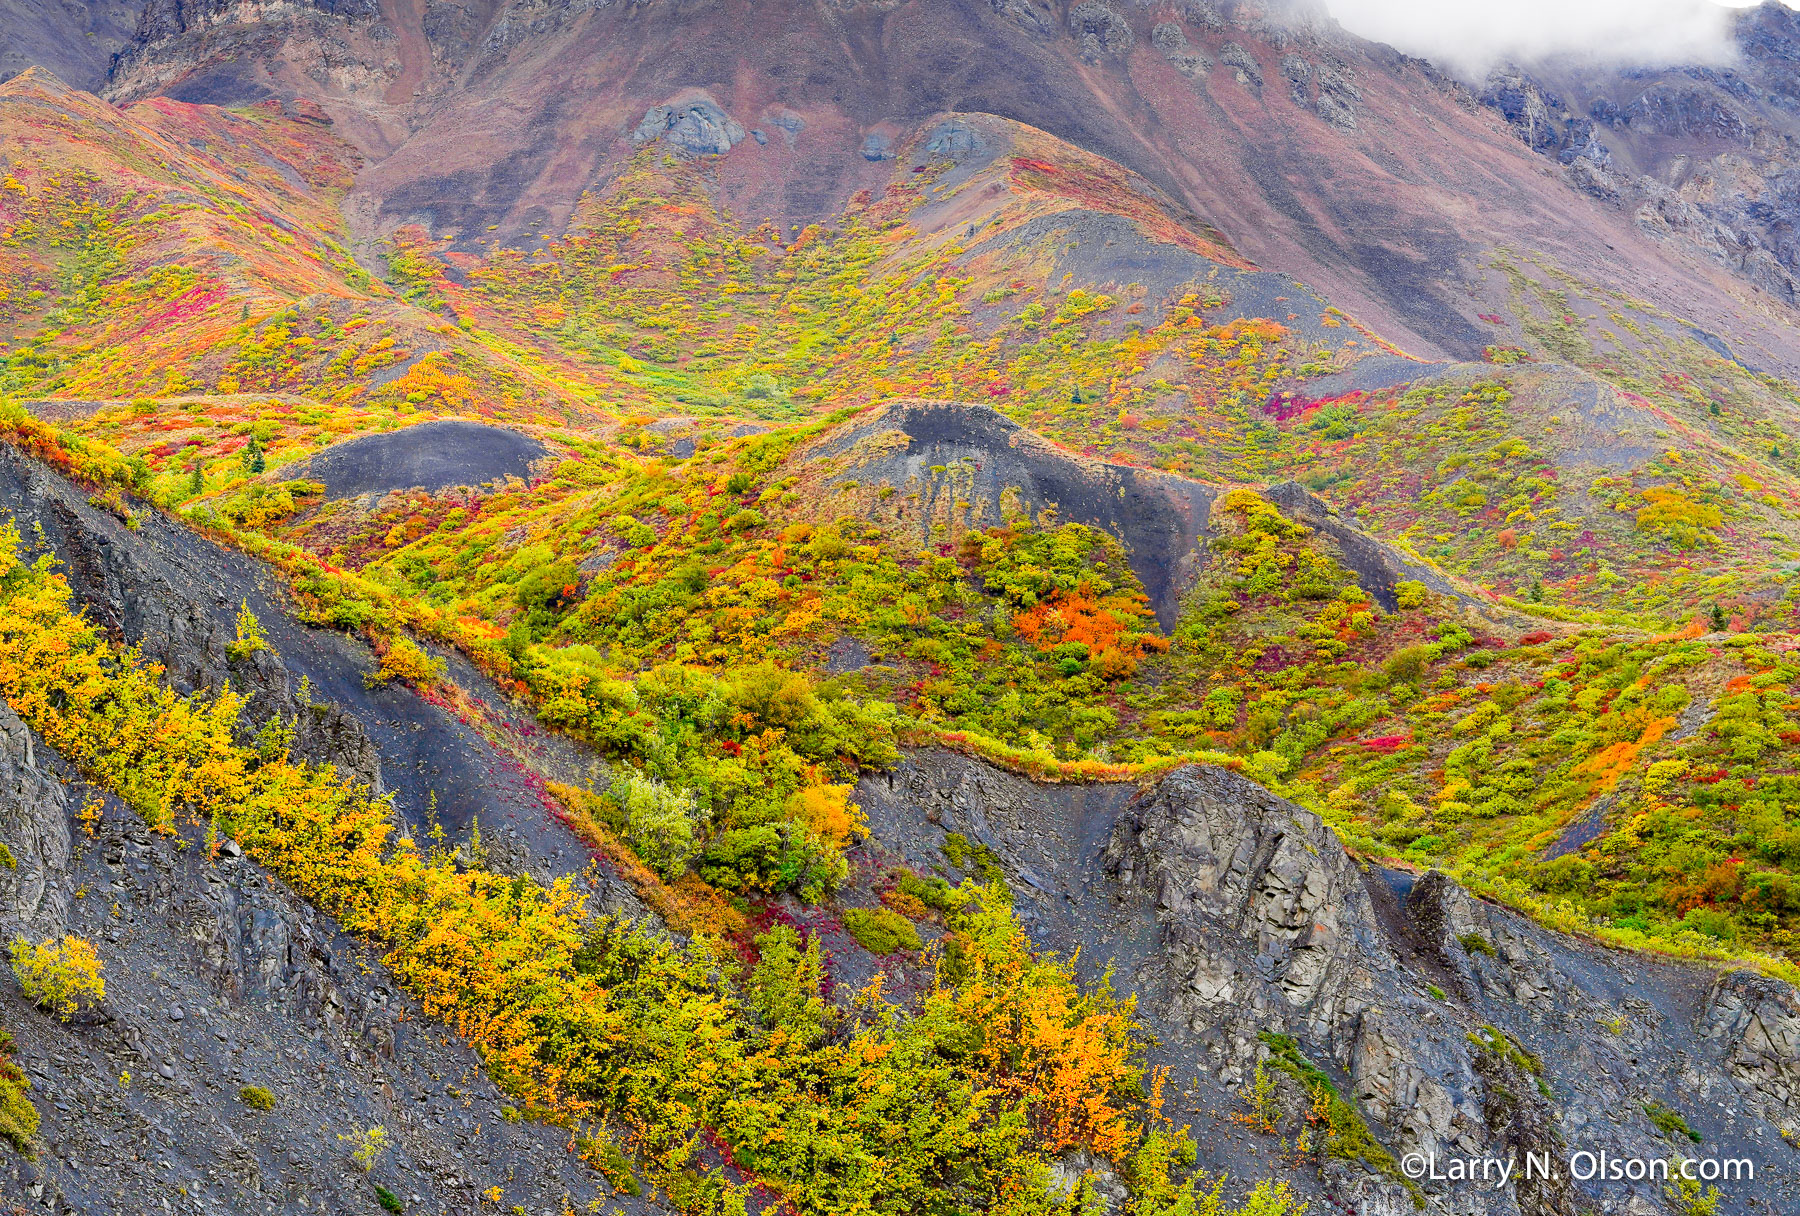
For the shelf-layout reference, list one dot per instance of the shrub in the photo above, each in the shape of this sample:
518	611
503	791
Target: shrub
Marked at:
881	930
1347	1133
389	1201
827	811
771	859
406	661
250	637
960	852
787	984
933	892
1683	521
1407	665
1689	1197
1474	943
257	1098
659	823
370	1145
18	1117
62	977
610	1160
1668	1121
589	1018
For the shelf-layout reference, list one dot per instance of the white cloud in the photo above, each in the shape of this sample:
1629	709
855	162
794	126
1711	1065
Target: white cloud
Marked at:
1471	36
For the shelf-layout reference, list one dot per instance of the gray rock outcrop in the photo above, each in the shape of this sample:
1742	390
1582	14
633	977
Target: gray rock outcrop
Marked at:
1454	1026
699	127
1100	30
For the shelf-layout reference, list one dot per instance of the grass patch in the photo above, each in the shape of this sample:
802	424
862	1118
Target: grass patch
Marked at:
1474	943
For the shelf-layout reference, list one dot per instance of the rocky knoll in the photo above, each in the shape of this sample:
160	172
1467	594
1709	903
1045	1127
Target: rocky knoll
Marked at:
939	468
1455	1027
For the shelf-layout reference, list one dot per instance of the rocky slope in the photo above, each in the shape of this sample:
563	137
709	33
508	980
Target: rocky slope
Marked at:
1369	175
1373	176
1234	915
1699	156
77	41
176	596
219	978
1448	1026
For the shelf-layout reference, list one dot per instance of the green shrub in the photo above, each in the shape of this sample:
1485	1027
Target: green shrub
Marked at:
389	1201
978	858
18	1117
786	986
1347	1134
772	859
881	930
933	892
1474	943
1409	594
1407	665
610	1161
1668	1121
257	1098
659	823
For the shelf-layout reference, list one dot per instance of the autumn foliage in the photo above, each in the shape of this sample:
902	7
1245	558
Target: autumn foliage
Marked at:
1005	1061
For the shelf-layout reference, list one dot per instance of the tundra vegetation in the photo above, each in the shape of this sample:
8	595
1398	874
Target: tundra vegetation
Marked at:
1595	715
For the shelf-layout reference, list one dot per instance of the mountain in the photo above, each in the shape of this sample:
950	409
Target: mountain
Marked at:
75	41
828	606
1373	177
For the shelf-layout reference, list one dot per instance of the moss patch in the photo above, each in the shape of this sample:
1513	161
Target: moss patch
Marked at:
881	930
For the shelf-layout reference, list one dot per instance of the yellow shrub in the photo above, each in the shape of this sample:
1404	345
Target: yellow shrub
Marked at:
404	660
60	976
1684	521
827	810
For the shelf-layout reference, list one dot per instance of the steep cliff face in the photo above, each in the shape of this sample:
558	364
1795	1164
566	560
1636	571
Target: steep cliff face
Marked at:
1706	157
1459	1029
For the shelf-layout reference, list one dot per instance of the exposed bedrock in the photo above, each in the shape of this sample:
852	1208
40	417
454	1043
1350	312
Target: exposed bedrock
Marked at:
1460	1028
